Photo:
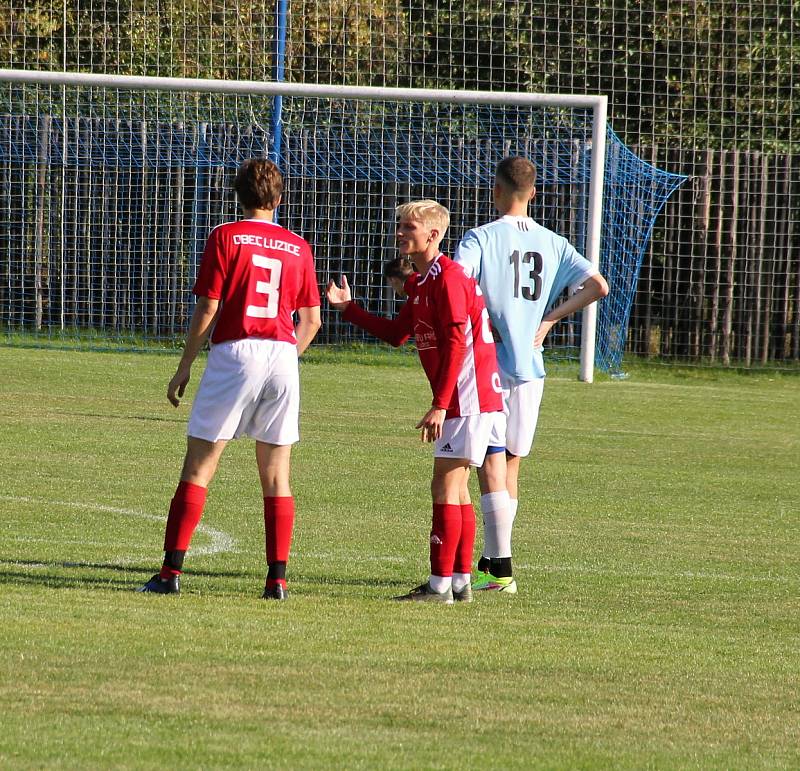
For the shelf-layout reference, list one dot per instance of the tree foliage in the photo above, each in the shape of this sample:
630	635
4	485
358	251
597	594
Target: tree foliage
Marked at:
699	73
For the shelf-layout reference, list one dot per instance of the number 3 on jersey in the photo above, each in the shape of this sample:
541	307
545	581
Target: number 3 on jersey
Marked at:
534	274
269	288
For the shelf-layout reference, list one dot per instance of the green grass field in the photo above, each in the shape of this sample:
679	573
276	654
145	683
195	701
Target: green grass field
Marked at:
657	548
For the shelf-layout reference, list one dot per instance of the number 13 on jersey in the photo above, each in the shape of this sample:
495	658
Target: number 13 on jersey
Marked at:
269	288
533	262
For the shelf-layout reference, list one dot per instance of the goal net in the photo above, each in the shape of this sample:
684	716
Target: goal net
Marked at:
109	186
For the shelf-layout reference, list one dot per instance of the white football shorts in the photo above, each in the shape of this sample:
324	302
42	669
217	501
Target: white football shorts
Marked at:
521	402
251	387
470	436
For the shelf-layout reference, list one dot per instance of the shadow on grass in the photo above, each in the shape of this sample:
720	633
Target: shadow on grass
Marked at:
56	574
36	574
110	416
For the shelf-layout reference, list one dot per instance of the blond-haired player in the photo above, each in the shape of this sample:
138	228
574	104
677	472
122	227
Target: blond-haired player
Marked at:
446	315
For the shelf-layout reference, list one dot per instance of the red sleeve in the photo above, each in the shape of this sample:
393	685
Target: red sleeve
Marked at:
393	331
308	296
213	268
451	308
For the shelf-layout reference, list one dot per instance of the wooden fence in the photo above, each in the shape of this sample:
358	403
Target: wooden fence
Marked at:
721	276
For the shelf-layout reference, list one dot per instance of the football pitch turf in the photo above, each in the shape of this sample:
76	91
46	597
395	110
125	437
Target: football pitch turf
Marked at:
657	552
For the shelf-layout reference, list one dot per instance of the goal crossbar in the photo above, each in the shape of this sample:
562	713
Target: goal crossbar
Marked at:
273	88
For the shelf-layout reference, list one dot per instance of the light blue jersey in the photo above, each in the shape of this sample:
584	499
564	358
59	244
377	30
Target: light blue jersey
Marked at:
521	268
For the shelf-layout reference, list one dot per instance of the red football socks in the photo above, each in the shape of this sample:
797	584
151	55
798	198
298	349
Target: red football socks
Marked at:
278	523
185	511
466	544
445	536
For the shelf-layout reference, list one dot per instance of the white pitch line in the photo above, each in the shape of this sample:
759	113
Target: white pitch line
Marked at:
220	541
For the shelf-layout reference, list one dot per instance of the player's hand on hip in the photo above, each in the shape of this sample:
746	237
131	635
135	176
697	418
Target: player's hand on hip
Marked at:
431	424
177	385
541	333
338	297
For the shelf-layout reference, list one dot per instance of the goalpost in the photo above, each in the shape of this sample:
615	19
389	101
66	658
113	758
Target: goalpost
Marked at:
109	185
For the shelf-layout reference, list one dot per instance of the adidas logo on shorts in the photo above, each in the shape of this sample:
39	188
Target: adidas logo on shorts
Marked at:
447	448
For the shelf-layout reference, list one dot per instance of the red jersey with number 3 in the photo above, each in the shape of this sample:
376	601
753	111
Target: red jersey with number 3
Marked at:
262	273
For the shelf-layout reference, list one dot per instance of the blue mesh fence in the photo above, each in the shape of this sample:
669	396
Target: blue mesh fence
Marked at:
106	216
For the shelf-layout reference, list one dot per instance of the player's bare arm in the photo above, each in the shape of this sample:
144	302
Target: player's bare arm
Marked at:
308	325
594	288
205	312
339	297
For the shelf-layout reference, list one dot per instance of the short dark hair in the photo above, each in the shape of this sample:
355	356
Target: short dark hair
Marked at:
516	174
258	184
399	267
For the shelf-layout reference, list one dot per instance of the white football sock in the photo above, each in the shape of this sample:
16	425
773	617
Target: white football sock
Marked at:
497	521
489	540
513	504
440	583
460	580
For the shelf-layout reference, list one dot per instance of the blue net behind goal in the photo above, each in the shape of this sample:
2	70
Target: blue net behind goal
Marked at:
107	197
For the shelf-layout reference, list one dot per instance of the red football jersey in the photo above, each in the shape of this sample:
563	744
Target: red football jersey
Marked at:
262	273
446	314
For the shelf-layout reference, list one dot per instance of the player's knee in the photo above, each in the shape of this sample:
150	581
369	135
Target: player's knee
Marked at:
275	485
440	489
492	474
446	489
198	471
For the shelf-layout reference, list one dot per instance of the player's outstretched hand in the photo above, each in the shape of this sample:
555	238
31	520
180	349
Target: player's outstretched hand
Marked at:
541	333
431	424
339	297
177	385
